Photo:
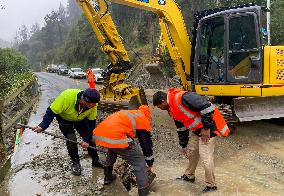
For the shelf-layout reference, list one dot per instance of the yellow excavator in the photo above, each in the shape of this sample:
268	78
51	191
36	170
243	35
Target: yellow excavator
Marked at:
227	58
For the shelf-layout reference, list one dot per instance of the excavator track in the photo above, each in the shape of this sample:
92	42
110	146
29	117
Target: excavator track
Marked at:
228	114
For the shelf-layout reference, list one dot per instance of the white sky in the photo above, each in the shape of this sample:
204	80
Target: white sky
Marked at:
24	12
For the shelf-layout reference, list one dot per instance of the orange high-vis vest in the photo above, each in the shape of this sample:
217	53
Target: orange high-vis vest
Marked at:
191	119
120	127
91	78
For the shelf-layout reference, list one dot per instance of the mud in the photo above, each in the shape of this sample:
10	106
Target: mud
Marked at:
249	162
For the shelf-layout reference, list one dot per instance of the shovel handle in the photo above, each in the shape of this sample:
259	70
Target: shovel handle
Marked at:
57	136
25	126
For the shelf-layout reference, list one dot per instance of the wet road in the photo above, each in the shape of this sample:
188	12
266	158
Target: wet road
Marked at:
41	164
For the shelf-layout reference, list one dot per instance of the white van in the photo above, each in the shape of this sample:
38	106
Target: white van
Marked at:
98	74
76	73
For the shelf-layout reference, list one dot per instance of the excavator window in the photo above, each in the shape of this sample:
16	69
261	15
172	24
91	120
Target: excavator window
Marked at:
229	49
244	54
211	51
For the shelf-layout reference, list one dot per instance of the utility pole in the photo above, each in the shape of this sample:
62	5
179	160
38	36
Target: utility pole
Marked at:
268	22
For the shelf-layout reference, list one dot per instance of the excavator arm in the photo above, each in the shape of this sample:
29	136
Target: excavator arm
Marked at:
173	30
174	35
99	17
172	27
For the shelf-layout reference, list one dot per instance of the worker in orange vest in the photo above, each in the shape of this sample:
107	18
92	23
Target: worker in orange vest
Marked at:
91	78
193	113
117	132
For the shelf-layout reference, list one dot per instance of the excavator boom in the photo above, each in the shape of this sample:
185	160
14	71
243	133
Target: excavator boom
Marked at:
98	15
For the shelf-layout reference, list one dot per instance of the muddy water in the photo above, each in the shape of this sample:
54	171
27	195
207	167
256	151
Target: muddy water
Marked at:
249	162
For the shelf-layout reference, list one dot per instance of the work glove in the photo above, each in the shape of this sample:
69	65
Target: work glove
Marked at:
84	145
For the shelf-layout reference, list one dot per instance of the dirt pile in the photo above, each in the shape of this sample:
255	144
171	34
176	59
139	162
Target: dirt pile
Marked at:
142	78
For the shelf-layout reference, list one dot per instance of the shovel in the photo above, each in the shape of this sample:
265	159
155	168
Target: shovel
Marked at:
59	137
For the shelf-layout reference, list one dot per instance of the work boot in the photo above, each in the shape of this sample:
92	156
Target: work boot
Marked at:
76	169
98	163
209	189
186	178
109	176
143	191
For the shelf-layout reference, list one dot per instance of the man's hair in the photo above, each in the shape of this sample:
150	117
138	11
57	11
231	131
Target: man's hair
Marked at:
158	97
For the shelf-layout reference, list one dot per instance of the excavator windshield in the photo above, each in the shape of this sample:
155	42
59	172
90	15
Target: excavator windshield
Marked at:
229	49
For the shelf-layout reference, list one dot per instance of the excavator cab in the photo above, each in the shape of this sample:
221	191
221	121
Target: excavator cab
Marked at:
233	63
229	48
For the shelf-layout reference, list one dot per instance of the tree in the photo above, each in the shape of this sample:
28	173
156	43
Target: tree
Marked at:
35	28
74	11
23	33
55	28
277	24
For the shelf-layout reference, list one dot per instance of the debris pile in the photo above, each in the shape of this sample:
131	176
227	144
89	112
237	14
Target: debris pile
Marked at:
142	78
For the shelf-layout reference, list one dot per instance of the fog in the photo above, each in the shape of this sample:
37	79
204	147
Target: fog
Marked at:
14	13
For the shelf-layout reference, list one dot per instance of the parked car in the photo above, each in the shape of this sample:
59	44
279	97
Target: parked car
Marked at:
62	70
51	68
76	73
98	74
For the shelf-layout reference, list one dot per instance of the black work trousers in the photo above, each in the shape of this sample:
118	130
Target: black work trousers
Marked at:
68	130
133	155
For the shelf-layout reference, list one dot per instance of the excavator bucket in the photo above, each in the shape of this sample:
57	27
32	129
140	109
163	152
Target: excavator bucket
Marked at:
110	106
257	108
138	100
155	71
134	103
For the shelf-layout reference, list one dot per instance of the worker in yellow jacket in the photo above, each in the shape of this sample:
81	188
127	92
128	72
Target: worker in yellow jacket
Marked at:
75	109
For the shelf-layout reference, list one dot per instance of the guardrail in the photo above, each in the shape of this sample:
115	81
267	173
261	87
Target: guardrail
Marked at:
12	108
7	120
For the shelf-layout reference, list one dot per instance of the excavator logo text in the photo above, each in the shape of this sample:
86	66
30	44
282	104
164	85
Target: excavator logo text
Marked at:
162	2
144	1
